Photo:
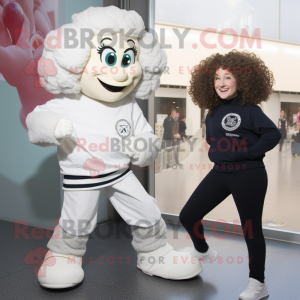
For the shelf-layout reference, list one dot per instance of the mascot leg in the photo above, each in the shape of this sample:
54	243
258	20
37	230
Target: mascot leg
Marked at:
62	266
155	255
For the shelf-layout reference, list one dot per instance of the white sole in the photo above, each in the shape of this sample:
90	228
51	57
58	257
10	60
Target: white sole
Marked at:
59	286
181	278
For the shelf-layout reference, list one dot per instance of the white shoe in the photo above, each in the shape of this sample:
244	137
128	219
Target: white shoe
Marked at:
60	271
165	262
255	290
207	257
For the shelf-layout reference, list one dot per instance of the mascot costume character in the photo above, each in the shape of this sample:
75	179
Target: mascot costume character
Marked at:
97	125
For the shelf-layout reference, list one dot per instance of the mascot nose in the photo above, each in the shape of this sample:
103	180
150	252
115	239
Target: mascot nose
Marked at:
121	75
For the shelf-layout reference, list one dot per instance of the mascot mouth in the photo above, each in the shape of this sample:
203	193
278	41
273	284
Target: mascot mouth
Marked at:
112	88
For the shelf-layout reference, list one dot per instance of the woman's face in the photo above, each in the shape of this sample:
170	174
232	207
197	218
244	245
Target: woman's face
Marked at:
282	114
225	84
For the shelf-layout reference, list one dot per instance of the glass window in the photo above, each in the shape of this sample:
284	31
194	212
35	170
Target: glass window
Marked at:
220	14
289	21
183	164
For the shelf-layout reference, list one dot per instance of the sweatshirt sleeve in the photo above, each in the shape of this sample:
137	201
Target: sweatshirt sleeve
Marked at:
147	143
207	131
266	130
42	121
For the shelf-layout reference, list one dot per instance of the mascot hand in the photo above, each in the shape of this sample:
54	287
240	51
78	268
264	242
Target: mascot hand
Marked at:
135	153
63	128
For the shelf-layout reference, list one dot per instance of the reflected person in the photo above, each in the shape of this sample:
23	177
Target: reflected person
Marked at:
170	137
283	128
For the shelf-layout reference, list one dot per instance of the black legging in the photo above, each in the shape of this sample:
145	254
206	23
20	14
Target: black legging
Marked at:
248	188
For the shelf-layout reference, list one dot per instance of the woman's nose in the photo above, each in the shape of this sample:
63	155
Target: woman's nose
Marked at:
119	74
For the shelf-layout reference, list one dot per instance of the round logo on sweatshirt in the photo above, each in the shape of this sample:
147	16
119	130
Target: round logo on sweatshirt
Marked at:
123	128
231	121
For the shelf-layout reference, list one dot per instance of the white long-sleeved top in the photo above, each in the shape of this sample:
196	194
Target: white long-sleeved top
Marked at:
93	156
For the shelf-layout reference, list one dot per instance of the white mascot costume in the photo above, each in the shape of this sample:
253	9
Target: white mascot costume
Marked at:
99	129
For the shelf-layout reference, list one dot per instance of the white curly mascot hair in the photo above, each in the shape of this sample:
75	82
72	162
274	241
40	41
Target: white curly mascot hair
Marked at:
152	57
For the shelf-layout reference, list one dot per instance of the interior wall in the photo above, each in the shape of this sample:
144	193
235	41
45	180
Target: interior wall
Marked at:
272	108
289	98
193	116
282	58
29	175
170	92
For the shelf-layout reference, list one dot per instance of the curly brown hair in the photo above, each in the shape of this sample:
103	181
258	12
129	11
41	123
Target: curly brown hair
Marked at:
254	79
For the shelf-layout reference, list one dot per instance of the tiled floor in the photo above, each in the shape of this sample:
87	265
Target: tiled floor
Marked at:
282	202
224	279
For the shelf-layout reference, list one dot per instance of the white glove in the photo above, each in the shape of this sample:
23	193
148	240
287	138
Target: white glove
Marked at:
134	154
63	128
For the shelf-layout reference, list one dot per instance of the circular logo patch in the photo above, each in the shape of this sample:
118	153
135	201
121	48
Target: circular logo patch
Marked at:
231	121
123	128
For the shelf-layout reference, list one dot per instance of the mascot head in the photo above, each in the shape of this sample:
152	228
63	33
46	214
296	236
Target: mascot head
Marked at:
106	54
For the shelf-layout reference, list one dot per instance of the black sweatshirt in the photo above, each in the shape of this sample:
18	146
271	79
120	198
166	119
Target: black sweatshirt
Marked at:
168	125
239	136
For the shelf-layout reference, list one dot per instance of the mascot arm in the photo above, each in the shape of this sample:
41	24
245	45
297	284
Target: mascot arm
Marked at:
146	145
46	123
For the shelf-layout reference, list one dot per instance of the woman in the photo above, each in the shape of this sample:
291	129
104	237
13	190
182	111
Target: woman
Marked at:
283	128
239	134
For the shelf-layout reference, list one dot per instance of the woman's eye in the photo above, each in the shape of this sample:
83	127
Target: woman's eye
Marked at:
109	57
127	59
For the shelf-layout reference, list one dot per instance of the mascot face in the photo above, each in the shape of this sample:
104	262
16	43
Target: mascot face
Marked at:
113	69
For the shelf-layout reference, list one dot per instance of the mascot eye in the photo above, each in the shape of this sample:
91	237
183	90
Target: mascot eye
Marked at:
127	59
109	57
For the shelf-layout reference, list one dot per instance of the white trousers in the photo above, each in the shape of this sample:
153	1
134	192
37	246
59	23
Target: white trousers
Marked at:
129	198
